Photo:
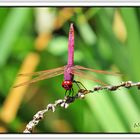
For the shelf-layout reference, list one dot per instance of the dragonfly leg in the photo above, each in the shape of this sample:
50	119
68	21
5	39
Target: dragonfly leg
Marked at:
66	92
69	92
72	92
77	83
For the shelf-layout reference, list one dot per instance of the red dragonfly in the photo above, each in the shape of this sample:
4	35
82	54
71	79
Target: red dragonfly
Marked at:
68	70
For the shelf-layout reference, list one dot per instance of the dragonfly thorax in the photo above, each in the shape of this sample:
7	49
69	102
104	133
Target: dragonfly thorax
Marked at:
67	85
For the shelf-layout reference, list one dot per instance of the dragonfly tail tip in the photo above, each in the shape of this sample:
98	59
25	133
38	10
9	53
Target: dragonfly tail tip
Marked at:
71	25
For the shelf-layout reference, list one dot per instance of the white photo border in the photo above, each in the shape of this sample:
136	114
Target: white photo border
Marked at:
69	2
70	136
44	3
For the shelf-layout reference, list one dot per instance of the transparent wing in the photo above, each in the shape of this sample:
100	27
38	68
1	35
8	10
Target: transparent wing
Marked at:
86	76
41	76
97	71
41	72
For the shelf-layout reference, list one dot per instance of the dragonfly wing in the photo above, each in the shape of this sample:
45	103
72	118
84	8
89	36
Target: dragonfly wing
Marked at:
42	76
41	72
97	71
86	76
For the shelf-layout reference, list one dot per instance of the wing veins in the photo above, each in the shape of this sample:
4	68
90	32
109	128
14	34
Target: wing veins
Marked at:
97	71
42	72
41	77
89	77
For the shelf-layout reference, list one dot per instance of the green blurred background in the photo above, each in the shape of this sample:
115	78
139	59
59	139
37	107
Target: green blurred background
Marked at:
35	39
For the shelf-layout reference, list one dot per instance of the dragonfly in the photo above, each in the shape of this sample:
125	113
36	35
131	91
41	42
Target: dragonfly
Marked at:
69	70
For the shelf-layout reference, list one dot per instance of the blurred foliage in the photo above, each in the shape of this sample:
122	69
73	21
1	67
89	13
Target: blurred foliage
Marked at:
105	38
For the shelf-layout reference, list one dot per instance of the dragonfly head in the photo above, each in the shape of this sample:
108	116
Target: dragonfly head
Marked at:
67	85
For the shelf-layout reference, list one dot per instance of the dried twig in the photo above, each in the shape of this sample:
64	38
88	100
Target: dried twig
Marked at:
40	114
68	99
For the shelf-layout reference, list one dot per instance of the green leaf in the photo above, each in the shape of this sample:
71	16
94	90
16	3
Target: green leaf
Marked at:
13	25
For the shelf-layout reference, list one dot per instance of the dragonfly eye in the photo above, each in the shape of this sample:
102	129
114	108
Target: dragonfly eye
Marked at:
67	85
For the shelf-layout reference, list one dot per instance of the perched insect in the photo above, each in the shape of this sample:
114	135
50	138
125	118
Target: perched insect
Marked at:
68	70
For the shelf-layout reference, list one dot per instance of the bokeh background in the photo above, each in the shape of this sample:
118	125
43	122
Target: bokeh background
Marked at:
35	39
